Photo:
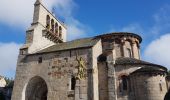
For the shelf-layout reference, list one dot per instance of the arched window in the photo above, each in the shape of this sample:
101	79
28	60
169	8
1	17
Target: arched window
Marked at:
40	60
48	22
124	82
129	53
52	25
118	47
160	85
56	28
73	83
60	31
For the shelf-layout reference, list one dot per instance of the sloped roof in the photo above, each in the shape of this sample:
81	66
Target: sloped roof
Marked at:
133	61
121	34
127	60
79	43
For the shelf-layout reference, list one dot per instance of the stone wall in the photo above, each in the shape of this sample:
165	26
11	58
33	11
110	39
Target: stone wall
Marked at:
149	86
103	81
125	46
56	69
124	70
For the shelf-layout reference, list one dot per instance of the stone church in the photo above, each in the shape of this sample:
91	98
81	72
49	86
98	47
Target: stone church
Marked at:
104	67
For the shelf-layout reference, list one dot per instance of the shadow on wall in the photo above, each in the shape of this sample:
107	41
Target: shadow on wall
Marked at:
167	96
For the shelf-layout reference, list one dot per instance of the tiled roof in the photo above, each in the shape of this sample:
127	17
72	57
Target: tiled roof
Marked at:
79	43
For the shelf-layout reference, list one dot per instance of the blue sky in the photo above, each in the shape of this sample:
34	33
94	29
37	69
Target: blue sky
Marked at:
85	18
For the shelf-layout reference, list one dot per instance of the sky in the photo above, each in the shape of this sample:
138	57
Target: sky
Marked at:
86	18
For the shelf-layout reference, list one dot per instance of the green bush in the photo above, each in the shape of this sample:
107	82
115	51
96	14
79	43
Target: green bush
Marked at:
2	97
167	96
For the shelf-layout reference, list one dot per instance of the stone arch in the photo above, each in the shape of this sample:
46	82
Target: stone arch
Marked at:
36	89
48	22
56	28
118	46
60	31
124	85
52	25
128	50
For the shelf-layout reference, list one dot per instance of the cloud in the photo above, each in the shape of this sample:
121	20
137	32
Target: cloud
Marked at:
16	12
161	20
8	59
158	51
65	9
76	29
19	13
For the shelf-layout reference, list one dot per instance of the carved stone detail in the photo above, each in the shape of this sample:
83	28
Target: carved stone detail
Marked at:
81	69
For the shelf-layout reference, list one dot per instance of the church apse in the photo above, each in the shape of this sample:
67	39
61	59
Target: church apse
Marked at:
125	44
103	67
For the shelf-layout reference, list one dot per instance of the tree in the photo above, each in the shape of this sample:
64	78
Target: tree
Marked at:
169	72
9	82
2	97
167	96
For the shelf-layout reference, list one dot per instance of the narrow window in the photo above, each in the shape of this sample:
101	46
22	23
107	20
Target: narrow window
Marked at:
60	32
56	29
48	22
160	86
129	85
129	52
21	52
73	83
52	25
40	60
124	82
120	89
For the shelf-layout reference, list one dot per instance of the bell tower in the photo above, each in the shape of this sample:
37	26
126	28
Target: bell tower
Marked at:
46	30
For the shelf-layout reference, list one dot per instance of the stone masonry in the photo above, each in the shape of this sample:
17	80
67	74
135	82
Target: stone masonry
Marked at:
104	67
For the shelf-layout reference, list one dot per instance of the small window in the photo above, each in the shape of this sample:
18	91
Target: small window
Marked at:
52	25
160	86
120	88
48	22
73	83
40	60
129	52
60	32
56	28
21	52
124	82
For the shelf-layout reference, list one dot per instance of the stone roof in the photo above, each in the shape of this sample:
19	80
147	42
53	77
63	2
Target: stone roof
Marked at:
133	61
79	43
122	34
150	70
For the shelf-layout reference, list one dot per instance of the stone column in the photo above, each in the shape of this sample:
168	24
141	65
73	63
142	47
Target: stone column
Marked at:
123	47
138	47
81	90
135	49
111	81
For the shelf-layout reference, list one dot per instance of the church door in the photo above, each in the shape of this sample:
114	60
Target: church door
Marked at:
36	89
